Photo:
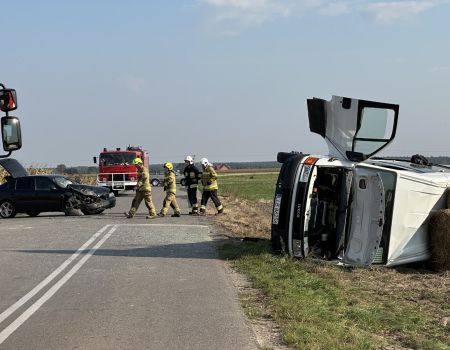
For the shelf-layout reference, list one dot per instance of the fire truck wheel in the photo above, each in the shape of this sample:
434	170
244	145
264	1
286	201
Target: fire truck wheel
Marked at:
155	182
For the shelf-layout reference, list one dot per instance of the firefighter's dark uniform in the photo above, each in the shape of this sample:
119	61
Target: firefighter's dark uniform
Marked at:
192	175
210	187
143	192
170	186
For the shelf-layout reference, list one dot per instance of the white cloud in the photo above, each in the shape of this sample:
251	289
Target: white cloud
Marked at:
335	9
387	12
236	14
246	13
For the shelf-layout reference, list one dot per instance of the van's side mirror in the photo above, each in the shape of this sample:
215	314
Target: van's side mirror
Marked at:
94	159
8	100
11	134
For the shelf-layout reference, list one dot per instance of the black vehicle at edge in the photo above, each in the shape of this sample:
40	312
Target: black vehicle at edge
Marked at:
34	194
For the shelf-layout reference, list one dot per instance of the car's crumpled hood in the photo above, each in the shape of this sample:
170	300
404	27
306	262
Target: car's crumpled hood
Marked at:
89	190
13	167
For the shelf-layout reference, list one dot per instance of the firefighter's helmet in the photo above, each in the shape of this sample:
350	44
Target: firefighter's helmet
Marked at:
189	159
168	166
137	161
204	162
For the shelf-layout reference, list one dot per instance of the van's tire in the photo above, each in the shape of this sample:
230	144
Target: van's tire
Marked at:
33	213
7	209
155	182
183	182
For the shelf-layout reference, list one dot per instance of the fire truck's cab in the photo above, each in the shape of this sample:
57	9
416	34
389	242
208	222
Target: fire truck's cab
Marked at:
116	169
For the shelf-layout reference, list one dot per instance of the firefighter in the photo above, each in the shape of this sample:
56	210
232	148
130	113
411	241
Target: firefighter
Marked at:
170	186
209	182
143	191
191	175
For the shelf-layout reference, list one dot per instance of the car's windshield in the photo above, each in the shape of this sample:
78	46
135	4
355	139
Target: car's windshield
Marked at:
117	158
62	181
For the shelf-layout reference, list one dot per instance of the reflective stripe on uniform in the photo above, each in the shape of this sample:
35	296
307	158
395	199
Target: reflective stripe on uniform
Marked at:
220	207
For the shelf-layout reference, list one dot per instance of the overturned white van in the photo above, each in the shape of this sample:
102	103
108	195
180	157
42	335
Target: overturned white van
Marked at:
348	206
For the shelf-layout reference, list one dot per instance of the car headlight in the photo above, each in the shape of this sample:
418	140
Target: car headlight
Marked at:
110	194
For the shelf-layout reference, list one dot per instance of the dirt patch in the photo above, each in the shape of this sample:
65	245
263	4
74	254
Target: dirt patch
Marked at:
245	218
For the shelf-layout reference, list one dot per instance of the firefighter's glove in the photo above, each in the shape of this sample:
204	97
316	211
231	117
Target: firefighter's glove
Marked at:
209	183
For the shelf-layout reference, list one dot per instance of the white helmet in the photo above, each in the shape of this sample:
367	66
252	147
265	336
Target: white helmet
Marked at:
189	159
204	161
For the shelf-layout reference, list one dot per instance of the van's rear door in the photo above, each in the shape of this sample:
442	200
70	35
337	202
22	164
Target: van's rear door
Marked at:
353	129
367	217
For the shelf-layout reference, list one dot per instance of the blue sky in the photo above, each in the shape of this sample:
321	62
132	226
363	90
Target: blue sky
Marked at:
222	79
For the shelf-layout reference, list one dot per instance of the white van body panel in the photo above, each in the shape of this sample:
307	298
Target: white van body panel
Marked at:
417	197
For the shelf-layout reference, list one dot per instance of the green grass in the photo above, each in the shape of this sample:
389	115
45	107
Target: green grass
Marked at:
248	186
316	310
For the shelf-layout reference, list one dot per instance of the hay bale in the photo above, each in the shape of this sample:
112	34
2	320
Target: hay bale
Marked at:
439	232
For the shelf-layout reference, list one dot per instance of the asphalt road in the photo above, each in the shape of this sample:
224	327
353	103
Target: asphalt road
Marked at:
107	282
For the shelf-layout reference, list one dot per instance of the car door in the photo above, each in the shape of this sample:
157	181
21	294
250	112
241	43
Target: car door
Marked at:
353	129
367	217
48	195
24	195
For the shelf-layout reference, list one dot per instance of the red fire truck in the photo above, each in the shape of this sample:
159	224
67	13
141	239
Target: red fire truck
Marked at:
116	170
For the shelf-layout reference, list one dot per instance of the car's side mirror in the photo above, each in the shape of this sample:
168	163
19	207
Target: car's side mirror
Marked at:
11	134
94	159
8	100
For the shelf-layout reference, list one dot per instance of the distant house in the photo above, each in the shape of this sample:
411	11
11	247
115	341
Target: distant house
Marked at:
222	167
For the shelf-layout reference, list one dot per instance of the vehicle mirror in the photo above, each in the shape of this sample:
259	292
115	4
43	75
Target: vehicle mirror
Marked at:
11	134
95	160
8	100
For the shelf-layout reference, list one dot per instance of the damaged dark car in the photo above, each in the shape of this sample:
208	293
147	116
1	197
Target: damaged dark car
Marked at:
34	194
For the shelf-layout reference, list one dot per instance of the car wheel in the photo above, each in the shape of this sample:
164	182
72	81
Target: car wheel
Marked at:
92	211
155	182
183	182
116	193
33	213
7	210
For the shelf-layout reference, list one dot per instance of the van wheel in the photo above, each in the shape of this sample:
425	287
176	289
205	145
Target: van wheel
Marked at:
183	182
155	182
7	210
